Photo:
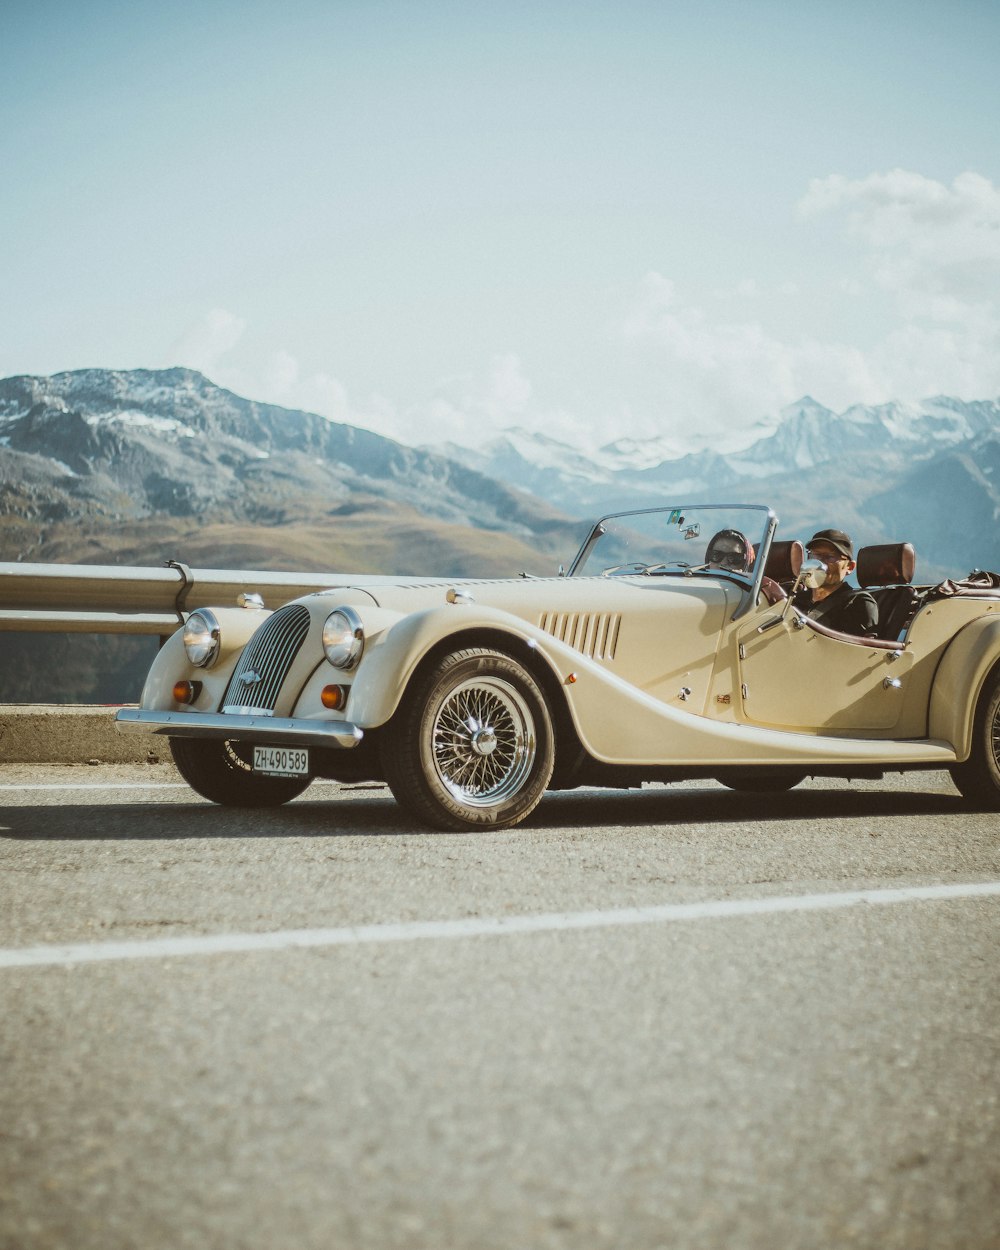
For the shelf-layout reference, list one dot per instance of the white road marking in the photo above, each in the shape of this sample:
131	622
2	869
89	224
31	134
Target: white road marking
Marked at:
96	785
498	926
123	785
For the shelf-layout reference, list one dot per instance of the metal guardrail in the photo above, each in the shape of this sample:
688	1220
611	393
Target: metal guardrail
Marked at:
108	599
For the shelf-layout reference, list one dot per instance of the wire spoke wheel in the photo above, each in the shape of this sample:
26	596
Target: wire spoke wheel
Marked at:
978	777
472	743
995	737
483	741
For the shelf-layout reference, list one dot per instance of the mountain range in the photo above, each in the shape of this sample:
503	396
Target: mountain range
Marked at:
99	466
926	473
138	467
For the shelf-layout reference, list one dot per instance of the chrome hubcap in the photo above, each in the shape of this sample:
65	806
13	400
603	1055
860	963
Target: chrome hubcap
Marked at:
483	741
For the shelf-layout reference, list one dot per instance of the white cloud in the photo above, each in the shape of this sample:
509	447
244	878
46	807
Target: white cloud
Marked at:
936	247
912	309
473	409
281	373
276	378
509	390
331	398
467	409
934	250
208	339
714	378
280	380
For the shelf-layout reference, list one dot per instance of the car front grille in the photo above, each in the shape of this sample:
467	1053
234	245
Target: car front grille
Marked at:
266	659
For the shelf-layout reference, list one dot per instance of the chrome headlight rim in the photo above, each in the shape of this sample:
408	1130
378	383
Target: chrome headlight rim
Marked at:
343	638
202	638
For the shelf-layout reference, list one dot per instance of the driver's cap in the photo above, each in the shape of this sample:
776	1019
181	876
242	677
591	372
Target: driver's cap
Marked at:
834	538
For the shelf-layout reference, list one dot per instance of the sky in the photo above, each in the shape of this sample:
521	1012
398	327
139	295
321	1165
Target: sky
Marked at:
436	220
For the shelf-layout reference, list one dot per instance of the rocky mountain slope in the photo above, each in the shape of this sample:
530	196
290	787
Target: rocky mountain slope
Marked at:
104	466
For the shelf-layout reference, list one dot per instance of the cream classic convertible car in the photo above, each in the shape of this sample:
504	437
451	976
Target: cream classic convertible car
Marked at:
669	649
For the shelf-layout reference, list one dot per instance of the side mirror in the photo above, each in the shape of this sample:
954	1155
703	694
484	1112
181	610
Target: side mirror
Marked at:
812	574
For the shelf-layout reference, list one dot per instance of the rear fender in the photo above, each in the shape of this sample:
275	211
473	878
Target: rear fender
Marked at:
959	681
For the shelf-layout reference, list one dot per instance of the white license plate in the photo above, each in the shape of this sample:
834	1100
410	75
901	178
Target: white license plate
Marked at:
281	761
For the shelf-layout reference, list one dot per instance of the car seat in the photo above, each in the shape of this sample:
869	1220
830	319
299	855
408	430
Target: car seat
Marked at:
782	568
886	571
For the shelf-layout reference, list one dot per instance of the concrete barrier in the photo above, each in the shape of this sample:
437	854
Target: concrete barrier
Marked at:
34	733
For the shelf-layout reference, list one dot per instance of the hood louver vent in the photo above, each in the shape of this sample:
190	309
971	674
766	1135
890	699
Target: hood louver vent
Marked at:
595	634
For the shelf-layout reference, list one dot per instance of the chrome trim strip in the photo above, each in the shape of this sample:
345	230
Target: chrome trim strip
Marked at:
241	728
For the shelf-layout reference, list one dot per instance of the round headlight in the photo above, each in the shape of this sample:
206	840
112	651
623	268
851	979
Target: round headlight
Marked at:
343	638
201	638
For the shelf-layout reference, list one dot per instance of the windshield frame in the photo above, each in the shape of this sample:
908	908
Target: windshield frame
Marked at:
752	581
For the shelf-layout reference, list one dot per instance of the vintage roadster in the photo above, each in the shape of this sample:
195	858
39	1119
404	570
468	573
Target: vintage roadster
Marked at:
669	649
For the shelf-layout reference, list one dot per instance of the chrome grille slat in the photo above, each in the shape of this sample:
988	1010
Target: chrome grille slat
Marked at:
269	654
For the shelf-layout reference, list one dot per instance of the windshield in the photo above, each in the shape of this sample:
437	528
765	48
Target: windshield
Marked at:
660	542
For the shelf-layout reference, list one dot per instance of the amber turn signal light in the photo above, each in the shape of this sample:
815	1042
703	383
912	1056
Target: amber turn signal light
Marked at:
186	691
334	697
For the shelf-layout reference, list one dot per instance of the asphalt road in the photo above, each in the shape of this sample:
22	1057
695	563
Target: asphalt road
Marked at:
644	1020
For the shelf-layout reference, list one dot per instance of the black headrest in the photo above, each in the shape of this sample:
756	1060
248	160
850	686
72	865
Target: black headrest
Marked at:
888	564
784	561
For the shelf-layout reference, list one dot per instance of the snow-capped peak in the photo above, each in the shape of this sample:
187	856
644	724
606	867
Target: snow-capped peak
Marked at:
641	453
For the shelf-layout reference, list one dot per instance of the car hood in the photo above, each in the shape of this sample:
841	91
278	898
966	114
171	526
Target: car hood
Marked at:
528	597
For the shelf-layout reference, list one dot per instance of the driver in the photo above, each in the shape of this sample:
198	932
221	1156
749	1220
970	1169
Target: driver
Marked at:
836	603
729	549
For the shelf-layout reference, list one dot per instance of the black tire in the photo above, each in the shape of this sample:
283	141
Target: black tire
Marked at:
472	743
220	770
978	778
761	783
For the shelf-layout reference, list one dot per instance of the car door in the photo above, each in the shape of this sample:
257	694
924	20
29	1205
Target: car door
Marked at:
794	677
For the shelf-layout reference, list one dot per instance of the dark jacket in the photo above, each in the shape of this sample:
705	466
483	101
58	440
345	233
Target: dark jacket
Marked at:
848	609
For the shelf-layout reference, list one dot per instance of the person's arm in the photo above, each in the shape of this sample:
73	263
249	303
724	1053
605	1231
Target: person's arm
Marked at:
861	615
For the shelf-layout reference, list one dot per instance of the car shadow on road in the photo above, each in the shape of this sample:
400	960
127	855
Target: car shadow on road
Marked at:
712	805
371	813
374	813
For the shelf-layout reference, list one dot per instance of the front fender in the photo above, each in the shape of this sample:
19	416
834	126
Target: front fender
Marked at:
959	681
236	627
394	654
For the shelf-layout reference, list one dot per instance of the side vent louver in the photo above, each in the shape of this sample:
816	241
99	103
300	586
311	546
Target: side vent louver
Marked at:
595	634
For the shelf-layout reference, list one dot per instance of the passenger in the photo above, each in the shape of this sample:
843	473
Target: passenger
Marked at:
729	549
836	603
